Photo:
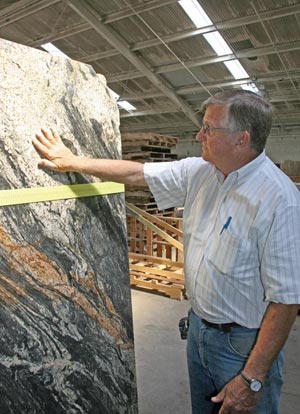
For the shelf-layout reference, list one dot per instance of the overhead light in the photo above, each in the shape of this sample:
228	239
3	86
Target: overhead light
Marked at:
195	13
218	43
122	104
114	94
236	69
54	50
250	87
126	105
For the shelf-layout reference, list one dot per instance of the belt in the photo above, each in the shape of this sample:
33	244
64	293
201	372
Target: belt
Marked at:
224	327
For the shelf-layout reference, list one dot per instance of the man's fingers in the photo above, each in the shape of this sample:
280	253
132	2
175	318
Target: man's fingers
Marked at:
50	135
219	397
42	138
47	164
55	154
39	145
55	135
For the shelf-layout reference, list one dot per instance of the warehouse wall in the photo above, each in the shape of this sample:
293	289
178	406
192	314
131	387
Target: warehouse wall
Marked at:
188	148
278	149
285	148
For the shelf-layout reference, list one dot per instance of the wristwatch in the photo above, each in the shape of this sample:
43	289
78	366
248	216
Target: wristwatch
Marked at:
253	384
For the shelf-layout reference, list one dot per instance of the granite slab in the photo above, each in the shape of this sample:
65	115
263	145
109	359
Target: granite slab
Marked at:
66	336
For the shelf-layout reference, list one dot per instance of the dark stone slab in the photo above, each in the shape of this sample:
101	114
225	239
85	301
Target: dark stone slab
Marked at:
66	341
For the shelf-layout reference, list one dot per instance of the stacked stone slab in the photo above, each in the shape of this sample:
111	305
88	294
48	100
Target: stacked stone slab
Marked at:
66	343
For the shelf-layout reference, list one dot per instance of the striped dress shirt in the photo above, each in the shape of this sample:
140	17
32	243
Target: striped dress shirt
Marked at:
241	235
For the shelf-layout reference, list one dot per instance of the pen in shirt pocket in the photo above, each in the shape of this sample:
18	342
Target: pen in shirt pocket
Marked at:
226	225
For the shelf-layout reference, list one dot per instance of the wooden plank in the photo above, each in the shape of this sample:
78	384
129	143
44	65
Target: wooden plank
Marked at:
149	242
137	213
155	259
157	220
177	282
173	291
154	271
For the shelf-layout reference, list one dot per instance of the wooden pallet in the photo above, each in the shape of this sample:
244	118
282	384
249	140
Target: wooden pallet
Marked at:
155	253
147	147
154	286
149	138
157	275
149	156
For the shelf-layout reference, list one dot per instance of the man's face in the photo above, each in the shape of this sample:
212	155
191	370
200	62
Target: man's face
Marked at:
218	145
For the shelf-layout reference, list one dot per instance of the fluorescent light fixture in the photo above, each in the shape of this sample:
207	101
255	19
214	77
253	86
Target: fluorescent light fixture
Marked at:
195	13
53	50
236	69
218	43
126	105
122	104
114	94
250	87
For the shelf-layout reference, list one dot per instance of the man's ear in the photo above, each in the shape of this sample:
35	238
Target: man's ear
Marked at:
243	139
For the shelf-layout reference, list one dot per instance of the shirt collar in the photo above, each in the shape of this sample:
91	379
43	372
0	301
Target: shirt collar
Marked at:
242	173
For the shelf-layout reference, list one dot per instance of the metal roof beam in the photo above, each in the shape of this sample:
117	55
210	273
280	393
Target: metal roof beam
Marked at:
268	15
157	126
178	127
89	14
82	27
139	8
168	110
148	112
51	37
195	89
21	9
221	84
229	24
192	63
285	98
242	54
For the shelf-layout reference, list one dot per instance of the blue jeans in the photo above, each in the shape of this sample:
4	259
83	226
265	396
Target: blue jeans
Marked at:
215	357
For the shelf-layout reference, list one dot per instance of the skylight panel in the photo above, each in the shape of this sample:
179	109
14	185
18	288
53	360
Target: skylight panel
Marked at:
218	43
236	69
122	104
126	105
49	47
195	13
114	94
250	87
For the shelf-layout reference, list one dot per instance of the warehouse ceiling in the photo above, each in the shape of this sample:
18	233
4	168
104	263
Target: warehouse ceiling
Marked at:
156	58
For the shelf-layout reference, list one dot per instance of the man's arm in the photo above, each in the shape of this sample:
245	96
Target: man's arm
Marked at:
58	157
275	328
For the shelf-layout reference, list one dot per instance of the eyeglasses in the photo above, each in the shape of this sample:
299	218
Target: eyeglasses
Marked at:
206	129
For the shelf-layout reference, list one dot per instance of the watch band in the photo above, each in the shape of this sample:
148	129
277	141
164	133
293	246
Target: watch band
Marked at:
253	384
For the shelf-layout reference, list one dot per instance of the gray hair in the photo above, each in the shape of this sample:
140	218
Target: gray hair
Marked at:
247	111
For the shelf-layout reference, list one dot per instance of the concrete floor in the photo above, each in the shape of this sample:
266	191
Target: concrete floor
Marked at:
161	363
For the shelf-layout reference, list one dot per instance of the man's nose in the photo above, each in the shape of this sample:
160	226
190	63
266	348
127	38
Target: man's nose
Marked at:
199	136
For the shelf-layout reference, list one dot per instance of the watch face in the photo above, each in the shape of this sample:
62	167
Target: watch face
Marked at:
255	385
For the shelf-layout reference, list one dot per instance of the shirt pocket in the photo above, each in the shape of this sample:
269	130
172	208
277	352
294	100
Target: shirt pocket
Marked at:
233	256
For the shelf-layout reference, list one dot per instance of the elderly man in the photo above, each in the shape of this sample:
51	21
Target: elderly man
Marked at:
242	249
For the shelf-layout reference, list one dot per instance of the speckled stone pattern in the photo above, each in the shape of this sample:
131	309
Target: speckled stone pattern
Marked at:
66	340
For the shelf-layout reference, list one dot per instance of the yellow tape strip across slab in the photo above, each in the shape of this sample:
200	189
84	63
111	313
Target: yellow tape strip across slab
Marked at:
61	192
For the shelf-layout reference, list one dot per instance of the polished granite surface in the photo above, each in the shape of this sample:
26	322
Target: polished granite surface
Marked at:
66	342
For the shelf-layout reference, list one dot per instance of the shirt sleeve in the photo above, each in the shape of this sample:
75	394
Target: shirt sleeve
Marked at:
280	270
168	181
